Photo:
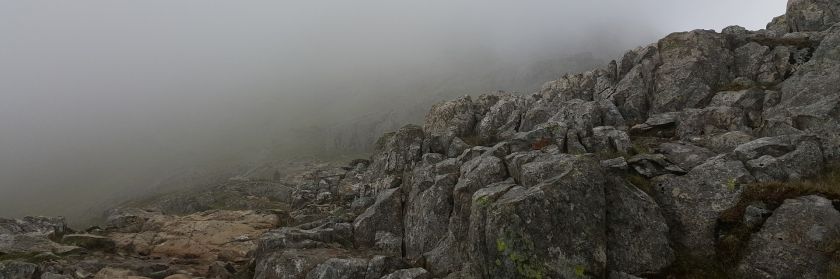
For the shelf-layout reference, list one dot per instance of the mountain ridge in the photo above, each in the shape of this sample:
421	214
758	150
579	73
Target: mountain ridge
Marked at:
703	155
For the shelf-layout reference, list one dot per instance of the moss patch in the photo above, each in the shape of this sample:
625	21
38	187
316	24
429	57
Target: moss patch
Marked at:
517	252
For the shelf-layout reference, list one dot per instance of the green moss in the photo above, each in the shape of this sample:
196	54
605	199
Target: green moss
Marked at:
518	252
580	271
500	245
483	201
731	184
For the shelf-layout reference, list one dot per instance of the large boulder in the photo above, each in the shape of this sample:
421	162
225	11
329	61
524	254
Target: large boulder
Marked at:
17	270
582	116
385	215
520	227
535	167
482	198
608	140
584	86
539	112
797	241
637	233
36	226
450	119
339	269
632	94
329	234
22	244
763	64
90	242
429	204
292	252
811	15
477	173
502	120
810	100
685	155
782	158
711	121
693	202
751	101
694	65
127	220
292	263
662	125
395	153
379	266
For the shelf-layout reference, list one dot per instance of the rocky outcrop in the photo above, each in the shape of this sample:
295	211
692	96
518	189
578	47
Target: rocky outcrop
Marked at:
382	218
17	270
671	162
694	65
624	171
637	233
694	201
798	240
520	226
811	15
809	98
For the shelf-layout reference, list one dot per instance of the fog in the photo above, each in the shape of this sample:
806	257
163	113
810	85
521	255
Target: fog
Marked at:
100	100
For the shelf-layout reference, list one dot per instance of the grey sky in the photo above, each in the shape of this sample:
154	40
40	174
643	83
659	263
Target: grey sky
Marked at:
99	98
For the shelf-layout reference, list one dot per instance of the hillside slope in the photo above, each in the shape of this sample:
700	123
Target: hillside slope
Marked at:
703	155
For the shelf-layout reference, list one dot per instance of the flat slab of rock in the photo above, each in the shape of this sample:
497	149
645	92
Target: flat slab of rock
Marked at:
211	236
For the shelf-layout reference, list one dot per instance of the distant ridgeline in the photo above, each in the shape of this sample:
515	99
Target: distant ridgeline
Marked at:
357	132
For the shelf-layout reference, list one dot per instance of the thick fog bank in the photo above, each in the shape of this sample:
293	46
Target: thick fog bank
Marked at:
101	100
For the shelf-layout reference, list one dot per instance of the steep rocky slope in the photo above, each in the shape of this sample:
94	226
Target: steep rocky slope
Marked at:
704	155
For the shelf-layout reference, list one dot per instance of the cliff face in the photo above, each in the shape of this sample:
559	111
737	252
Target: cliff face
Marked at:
704	155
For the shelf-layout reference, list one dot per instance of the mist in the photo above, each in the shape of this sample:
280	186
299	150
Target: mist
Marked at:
102	100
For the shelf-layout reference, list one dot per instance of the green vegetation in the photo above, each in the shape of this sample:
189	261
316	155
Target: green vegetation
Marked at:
483	201
518	252
826	184
500	245
580	271
731	184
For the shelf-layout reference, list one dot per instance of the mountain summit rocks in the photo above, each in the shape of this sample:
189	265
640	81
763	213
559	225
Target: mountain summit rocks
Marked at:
698	156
